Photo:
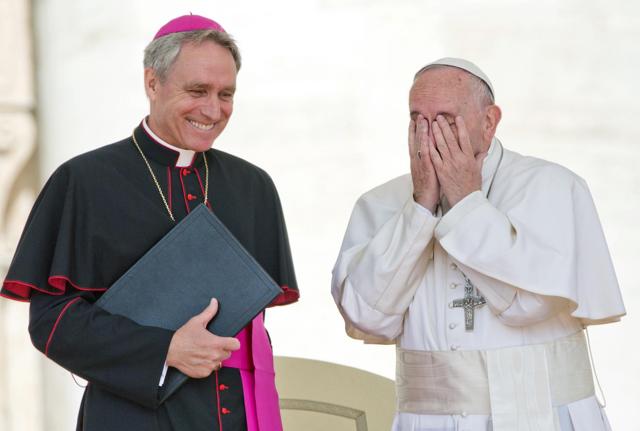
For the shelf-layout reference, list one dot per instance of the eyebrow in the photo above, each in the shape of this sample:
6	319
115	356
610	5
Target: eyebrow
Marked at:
198	85
203	86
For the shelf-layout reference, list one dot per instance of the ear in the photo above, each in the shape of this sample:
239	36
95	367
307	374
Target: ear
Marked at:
151	83
492	117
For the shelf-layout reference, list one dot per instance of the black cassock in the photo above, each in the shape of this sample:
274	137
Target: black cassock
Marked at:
95	217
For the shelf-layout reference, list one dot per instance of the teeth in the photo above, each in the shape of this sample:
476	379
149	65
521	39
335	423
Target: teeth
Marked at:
201	126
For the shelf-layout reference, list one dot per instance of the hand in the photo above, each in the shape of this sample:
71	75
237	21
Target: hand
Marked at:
197	352
458	170
426	188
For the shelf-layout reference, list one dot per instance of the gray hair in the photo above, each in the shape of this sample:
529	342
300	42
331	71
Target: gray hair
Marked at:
161	53
478	88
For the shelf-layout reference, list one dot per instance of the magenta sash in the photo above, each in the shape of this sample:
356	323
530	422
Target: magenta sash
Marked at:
255	362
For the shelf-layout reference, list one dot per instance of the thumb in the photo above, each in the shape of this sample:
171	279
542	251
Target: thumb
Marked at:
208	313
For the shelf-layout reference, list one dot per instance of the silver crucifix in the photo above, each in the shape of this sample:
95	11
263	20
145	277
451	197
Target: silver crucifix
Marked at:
469	303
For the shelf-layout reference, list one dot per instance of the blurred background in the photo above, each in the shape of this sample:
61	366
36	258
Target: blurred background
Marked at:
322	106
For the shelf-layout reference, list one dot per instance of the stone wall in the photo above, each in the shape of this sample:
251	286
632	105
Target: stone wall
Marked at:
20	365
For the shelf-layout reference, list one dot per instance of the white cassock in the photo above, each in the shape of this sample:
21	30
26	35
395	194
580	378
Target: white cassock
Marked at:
534	249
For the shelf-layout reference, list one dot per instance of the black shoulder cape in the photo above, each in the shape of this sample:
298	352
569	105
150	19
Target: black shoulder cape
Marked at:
99	212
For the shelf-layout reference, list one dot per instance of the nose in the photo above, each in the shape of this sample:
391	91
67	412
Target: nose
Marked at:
211	109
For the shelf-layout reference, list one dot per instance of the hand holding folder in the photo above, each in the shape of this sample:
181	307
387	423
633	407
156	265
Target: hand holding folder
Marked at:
197	260
193	349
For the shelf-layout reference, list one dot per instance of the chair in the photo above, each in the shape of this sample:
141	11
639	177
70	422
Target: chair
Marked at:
316	395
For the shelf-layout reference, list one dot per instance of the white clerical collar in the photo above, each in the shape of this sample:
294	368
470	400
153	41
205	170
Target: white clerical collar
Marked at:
185	157
490	164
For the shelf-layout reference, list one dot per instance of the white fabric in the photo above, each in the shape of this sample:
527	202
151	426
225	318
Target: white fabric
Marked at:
517	385
165	368
185	157
583	415
520	389
534	249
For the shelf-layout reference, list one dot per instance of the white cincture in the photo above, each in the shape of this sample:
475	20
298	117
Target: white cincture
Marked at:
518	386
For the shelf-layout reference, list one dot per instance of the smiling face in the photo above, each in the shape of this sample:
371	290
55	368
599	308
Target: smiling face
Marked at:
449	91
192	105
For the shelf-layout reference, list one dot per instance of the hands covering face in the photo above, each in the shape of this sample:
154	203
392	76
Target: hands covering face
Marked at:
426	188
442	161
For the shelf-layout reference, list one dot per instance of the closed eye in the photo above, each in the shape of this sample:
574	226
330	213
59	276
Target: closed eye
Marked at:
226	95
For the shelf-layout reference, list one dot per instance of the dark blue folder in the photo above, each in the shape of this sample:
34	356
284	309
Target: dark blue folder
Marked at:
197	260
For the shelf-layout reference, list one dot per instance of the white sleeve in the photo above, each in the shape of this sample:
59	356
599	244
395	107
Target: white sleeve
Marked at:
383	259
545	252
529	308
512	305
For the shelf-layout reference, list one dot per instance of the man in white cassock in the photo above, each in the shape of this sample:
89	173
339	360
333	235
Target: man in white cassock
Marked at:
484	267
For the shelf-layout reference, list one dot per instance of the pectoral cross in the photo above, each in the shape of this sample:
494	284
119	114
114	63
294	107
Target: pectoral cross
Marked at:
469	303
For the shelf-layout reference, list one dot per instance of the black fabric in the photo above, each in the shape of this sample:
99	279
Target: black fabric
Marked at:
98	214
230	408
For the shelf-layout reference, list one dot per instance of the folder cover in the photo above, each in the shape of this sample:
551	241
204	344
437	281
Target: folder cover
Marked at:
197	260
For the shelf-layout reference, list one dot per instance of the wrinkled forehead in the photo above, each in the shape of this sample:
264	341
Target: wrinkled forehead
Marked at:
443	90
464	65
442	81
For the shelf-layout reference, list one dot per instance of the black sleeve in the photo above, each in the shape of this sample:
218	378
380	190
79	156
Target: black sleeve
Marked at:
60	270
107	350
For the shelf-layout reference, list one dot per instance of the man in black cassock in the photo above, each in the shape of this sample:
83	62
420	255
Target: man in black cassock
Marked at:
101	211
